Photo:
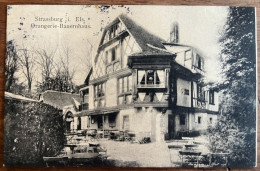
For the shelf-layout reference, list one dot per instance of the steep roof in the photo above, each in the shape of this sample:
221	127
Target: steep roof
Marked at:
86	82
59	99
141	35
143	38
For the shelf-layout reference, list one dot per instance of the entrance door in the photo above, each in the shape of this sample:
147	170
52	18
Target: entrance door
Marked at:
171	126
100	122
79	124
68	126
69	121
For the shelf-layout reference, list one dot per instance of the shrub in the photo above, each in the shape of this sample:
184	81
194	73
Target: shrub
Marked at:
226	137
32	130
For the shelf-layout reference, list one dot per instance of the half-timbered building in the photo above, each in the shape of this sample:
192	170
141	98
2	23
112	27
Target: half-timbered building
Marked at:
143	84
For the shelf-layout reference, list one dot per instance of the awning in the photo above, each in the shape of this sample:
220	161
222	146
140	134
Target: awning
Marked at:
102	111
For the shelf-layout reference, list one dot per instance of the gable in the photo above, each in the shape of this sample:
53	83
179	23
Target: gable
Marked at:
141	35
120	39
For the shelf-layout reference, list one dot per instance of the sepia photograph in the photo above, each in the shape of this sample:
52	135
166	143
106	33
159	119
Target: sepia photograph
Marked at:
130	86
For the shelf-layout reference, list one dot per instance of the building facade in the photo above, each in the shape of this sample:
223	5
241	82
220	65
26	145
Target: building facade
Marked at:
143	84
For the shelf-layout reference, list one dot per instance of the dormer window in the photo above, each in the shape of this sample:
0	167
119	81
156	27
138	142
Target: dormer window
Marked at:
113	31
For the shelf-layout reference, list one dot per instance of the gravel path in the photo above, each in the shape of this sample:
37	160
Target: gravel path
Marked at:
146	155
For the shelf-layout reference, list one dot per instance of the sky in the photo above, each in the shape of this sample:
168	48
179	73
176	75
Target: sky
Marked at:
199	26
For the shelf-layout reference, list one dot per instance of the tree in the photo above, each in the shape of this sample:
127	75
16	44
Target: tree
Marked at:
59	76
239	65
66	72
46	62
11	64
238	59
26	59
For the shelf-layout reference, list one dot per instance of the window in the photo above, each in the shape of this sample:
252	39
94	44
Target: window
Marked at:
210	120
199	120
113	54
112	120
151	77
99	90
200	93
200	62
126	122
211	97
182	119
85	94
186	92
188	55
125	84
113	31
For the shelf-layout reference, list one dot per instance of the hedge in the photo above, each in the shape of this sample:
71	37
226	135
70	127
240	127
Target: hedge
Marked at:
31	130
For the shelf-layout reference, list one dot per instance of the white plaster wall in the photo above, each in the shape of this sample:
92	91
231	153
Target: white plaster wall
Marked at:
204	121
129	49
91	97
214	119
163	126
178	126
191	121
111	92
145	122
180	58
84	121
182	99
93	125
216	103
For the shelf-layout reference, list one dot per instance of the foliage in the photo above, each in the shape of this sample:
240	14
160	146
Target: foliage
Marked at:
58	83
32	130
235	132
226	137
18	88
239	65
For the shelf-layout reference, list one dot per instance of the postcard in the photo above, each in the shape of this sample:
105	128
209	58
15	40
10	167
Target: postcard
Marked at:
130	86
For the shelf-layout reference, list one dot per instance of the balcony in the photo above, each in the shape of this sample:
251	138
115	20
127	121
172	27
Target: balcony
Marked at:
150	86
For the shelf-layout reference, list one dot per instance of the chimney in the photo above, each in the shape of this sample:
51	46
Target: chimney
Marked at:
174	33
